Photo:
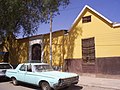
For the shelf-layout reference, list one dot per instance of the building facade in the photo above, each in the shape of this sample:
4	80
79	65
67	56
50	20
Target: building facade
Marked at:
95	44
92	45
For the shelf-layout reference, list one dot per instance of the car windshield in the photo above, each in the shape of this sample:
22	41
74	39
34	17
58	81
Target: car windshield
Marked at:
41	68
5	66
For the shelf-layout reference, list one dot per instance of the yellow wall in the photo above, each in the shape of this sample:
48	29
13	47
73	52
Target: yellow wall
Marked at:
73	45
57	48
24	50
18	51
107	39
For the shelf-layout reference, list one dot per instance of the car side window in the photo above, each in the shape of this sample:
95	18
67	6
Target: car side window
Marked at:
23	68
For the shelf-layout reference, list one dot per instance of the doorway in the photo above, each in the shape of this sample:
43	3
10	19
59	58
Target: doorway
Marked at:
88	50
36	52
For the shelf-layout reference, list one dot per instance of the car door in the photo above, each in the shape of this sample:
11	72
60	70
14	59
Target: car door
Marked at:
21	73
30	76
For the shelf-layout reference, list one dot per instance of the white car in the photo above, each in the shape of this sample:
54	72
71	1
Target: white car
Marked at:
41	74
4	67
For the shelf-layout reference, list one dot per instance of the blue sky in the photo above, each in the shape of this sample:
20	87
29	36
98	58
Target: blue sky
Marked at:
108	8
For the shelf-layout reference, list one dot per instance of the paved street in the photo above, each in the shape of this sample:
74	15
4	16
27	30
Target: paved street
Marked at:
113	84
10	86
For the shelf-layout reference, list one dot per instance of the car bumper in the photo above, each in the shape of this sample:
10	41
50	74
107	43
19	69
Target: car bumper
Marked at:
60	86
2	75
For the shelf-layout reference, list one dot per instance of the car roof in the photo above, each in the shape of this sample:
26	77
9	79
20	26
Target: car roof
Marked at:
4	63
36	63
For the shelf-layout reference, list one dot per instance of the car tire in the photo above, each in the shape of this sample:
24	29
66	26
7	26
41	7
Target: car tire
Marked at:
14	81
45	86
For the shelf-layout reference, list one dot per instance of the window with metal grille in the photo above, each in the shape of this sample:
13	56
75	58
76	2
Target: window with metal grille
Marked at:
86	19
88	50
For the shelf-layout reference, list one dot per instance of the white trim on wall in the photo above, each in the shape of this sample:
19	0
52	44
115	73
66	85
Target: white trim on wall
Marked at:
32	42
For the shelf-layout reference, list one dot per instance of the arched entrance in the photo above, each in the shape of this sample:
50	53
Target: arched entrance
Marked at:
36	52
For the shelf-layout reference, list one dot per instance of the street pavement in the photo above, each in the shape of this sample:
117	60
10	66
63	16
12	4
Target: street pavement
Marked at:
100	82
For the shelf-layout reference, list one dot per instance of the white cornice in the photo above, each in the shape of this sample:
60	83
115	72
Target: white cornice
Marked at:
116	24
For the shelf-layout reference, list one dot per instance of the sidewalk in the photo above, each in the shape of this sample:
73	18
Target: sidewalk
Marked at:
100	82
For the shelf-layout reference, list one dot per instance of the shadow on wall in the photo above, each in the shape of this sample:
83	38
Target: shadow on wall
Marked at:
69	46
46	49
57	53
74	34
62	46
18	50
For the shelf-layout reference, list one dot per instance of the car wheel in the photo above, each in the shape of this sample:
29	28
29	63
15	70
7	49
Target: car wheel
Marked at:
45	86
14	81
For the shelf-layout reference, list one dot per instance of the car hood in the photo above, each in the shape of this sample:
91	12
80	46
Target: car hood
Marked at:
57	74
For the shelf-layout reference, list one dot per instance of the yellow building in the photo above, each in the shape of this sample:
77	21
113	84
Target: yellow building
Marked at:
92	45
38	48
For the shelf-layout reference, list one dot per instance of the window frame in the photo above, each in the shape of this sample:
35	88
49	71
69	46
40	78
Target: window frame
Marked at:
22	67
86	19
